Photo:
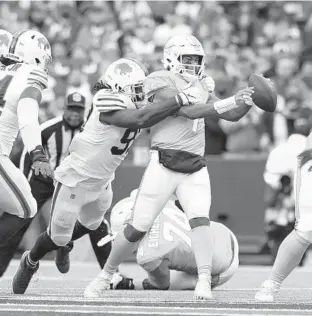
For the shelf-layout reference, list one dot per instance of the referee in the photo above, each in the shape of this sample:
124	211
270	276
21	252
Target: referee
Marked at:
56	135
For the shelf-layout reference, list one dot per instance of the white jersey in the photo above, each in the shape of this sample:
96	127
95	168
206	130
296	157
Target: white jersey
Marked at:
99	149
14	79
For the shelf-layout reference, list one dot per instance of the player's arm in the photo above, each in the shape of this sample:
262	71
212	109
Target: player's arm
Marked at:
159	278
146	116
230	109
27	113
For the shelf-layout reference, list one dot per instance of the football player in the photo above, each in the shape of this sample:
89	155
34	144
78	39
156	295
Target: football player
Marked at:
23	76
83	180
165	252
177	163
295	156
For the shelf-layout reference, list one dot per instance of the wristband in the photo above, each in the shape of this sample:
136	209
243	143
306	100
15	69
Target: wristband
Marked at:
225	105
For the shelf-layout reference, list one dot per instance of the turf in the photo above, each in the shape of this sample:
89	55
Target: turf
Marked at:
51	293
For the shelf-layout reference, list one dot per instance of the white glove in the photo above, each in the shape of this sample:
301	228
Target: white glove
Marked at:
190	95
208	84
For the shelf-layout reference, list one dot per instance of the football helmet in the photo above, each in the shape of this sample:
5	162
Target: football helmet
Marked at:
126	75
179	46
31	47
119	217
5	41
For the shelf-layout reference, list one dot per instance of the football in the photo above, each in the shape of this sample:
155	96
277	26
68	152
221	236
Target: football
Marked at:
265	95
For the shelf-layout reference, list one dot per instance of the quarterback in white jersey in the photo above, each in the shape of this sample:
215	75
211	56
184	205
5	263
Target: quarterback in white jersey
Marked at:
176	162
83	180
23	75
165	252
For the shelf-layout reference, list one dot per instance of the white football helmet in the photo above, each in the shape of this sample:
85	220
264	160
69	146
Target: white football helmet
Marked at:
126	75
31	47
179	46
5	41
120	216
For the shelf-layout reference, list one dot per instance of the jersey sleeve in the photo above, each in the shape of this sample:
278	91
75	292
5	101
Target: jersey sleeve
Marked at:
157	82
104	102
37	77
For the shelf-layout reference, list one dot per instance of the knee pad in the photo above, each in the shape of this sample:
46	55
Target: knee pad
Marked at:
132	234
199	221
304	237
61	240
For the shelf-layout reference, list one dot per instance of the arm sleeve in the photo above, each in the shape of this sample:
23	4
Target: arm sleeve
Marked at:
27	113
105	102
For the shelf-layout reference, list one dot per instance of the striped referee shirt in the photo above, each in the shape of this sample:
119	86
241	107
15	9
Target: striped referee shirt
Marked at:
56	136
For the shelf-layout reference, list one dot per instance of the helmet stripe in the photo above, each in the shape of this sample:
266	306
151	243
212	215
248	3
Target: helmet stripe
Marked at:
14	40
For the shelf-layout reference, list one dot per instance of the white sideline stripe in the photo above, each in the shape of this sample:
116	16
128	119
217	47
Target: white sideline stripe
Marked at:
144	309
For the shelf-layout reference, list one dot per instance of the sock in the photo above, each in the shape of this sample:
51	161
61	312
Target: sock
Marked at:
122	249
288	257
202	244
79	231
43	245
101	253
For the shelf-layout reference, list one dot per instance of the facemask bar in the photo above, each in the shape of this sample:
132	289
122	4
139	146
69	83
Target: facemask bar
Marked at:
135	91
191	70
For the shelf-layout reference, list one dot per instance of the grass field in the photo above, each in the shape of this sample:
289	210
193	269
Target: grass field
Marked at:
51	293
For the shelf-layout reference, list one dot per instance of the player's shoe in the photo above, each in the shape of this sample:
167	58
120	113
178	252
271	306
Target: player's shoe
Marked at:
97	287
268	291
62	260
203	289
23	275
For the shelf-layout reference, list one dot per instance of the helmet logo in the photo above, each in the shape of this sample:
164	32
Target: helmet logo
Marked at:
123	69
43	43
4	40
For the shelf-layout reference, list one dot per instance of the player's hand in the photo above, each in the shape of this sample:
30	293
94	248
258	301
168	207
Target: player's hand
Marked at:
208	84
42	167
190	95
243	97
40	163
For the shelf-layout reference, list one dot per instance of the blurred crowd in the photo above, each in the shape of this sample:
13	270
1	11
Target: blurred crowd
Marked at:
239	38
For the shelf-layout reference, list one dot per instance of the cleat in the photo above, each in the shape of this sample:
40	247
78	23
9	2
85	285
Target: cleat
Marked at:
267	291
97	287
23	275
203	289
62	260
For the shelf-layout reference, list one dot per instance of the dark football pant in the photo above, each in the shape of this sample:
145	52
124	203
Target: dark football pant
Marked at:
13	228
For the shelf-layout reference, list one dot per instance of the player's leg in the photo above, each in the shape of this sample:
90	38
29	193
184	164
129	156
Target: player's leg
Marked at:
195	198
157	186
297	242
18	206
66	204
103	252
158	279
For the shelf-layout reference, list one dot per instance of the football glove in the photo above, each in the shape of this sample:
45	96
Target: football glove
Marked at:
190	95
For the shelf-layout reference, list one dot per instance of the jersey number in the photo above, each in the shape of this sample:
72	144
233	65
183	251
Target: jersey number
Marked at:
4	84
127	139
178	229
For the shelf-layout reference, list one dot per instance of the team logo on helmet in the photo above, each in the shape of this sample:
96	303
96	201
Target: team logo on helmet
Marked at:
123	69
4	40
43	43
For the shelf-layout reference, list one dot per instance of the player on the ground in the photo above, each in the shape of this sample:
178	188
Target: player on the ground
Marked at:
83	190
165	252
23	75
294	246
177	163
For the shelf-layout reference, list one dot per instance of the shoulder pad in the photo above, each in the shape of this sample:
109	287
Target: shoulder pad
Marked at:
157	81
106	101
36	76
